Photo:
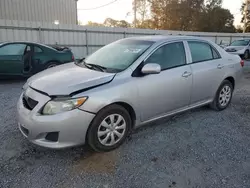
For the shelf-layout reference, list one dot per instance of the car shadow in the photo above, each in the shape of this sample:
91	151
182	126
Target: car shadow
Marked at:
163	121
10	80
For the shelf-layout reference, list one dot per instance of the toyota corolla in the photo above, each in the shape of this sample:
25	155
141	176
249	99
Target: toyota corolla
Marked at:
100	99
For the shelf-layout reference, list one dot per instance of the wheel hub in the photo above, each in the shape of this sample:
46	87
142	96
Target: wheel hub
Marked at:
225	95
111	130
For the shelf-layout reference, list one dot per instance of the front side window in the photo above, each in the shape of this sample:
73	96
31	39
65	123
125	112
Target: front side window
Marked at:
12	49
200	51
118	55
240	43
169	56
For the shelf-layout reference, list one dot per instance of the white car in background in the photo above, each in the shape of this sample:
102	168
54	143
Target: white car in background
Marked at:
240	47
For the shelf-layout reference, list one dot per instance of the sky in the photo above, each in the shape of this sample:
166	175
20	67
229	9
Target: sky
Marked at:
119	10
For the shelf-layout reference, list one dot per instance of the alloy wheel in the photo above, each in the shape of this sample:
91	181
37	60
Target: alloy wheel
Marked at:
225	96
111	130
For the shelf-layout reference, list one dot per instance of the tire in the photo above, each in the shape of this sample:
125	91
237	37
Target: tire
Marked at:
221	95
96	138
51	64
246	54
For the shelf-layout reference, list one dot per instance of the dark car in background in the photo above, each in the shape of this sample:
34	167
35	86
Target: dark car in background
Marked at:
27	58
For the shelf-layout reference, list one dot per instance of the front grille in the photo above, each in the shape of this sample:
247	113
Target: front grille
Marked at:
29	103
230	50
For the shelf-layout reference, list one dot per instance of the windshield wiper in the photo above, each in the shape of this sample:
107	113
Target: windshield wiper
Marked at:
101	68
91	66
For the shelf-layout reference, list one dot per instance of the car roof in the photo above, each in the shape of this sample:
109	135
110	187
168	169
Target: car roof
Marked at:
162	38
27	42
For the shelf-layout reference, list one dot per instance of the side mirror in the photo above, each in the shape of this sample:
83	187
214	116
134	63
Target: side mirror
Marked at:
151	68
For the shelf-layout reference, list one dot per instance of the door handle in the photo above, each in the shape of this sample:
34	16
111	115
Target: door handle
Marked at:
186	74
220	66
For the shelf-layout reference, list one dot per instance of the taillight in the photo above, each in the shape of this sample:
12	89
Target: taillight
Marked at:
73	58
242	63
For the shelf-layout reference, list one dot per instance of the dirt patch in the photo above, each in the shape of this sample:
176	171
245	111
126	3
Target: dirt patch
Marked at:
97	163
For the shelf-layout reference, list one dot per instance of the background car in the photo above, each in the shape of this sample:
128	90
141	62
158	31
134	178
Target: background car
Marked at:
26	58
240	47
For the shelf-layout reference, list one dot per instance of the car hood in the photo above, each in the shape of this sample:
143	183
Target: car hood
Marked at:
235	48
67	79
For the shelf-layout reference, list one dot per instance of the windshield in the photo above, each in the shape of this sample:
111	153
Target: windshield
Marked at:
240	43
118	55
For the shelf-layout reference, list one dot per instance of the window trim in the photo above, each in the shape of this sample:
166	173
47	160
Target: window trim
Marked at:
211	47
164	44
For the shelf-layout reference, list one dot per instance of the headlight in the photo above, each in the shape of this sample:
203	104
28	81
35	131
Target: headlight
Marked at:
55	107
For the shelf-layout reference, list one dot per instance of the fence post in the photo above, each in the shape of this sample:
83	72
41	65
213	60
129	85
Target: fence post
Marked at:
87	43
216	38
230	39
124	34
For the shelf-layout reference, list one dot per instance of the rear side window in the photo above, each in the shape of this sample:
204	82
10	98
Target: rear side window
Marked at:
201	51
215	54
169	56
37	49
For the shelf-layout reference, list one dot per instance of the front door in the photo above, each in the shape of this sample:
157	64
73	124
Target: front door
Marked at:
11	59
170	89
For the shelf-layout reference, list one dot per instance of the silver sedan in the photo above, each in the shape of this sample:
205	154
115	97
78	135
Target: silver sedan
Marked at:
100	99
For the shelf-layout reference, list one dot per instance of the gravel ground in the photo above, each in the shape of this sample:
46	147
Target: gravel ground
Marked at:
198	148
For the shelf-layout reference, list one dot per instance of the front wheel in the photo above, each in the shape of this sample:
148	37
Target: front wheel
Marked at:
109	128
223	96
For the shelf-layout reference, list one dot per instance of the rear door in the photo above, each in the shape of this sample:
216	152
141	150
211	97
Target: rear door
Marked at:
208	71
11	59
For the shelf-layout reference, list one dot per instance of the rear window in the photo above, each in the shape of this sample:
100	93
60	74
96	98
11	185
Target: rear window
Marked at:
60	48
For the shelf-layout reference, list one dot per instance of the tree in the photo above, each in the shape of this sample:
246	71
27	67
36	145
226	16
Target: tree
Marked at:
109	22
247	17
216	19
213	3
95	24
239	29
191	15
142	10
176	15
146	24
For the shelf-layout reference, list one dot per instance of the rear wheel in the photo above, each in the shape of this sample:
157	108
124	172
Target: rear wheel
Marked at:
223	96
109	128
50	65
